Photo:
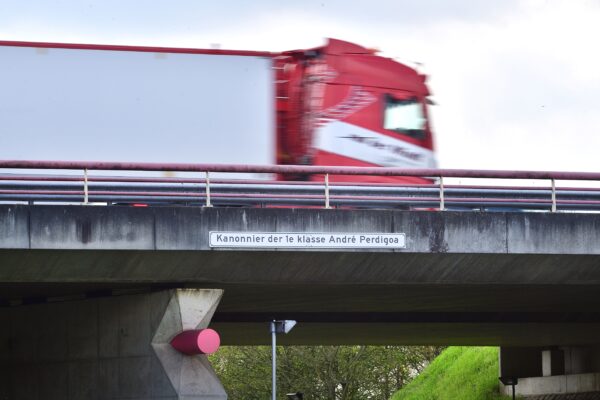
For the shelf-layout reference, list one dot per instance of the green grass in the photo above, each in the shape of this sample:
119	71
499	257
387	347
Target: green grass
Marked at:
458	373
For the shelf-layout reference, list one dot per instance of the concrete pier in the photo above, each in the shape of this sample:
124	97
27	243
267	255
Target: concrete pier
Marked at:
107	348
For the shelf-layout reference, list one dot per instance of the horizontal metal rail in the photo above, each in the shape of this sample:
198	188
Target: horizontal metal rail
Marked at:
28	187
297	169
322	187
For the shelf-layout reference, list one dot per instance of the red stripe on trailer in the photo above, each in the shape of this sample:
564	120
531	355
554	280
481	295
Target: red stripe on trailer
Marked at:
147	49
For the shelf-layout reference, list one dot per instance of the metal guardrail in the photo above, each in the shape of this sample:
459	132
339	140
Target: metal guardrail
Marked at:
323	190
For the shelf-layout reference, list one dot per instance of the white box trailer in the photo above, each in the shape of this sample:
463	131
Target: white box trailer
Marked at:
136	104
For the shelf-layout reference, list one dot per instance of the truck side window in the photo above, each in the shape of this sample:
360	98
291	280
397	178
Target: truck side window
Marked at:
404	116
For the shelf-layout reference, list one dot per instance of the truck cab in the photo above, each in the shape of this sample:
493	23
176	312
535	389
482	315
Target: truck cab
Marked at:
342	104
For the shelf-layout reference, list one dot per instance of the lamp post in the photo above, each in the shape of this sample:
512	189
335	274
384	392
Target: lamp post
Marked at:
510	380
283	326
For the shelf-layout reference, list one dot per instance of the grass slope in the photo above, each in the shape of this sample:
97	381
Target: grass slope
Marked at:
458	373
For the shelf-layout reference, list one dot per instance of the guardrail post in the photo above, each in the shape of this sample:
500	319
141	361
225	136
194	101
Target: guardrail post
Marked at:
442	205
208	204
327	191
553	195
85	186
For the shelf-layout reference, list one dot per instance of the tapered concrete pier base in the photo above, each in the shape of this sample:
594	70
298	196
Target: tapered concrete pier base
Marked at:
107	348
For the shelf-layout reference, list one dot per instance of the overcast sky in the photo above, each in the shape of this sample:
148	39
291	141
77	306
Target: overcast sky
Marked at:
517	82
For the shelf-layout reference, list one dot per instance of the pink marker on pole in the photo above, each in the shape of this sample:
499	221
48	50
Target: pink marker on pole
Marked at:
197	341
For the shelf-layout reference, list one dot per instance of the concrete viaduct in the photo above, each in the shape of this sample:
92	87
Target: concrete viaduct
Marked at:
90	294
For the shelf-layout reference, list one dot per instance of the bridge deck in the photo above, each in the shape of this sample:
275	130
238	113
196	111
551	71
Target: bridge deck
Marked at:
464	277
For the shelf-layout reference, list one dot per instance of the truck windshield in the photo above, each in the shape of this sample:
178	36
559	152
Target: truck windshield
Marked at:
404	116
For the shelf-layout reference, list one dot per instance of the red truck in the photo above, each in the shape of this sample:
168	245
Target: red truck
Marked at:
338	104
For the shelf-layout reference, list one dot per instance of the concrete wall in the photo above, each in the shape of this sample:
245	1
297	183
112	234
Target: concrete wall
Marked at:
560	387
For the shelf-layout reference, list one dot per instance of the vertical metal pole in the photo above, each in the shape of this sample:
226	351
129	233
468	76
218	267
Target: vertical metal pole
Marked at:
273	361
208	190
327	191
513	392
85	186
442	205
553	195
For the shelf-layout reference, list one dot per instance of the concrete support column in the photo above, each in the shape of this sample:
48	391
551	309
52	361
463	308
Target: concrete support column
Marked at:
107	348
553	362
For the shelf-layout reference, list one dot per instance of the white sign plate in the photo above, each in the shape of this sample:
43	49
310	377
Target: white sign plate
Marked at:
307	240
